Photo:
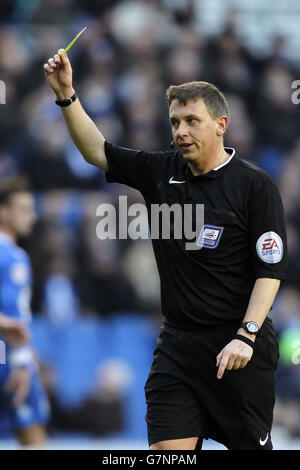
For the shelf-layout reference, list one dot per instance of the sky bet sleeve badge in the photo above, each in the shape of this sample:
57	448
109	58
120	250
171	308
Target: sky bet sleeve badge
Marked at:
210	236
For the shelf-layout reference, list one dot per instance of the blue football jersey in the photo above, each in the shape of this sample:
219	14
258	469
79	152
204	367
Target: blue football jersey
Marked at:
15	296
15	280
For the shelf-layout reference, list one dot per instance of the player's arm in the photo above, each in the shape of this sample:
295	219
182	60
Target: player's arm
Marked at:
20	359
18	386
85	134
237	354
13	331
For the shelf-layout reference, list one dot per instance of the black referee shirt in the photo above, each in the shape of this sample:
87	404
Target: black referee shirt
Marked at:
243	237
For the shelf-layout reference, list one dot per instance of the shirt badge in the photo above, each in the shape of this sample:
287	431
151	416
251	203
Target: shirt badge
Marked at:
210	236
269	247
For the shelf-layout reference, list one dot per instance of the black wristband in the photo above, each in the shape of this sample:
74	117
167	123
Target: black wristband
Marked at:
67	101
245	340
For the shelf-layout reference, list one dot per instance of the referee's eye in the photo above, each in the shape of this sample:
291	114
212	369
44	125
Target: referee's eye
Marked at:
191	121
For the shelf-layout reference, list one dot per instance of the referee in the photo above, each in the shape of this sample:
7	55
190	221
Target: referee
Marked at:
213	369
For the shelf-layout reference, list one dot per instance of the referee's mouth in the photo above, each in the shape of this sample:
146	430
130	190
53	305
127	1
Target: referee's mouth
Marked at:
185	146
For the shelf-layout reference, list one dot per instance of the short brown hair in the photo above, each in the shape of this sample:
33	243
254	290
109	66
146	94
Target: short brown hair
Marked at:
11	187
213	98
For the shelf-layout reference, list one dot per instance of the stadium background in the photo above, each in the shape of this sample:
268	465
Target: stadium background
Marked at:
96	309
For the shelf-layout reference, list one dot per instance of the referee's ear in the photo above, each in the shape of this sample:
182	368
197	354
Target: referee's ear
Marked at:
222	122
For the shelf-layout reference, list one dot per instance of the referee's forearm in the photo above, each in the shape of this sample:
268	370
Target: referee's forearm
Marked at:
261	300
85	134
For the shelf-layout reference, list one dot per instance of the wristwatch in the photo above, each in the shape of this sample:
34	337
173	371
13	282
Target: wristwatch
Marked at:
251	327
67	101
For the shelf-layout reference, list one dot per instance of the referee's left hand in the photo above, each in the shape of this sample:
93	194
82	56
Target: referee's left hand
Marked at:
235	355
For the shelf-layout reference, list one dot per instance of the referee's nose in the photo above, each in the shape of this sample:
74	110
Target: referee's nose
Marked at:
182	131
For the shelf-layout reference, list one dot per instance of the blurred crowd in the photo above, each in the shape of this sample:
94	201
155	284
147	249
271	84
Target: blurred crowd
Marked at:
130	53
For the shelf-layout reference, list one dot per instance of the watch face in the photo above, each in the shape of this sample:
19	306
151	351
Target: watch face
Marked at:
252	327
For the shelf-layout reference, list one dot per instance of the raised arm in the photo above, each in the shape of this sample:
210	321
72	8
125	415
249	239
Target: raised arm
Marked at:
85	134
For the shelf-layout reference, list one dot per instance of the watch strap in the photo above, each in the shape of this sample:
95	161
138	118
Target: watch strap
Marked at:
67	101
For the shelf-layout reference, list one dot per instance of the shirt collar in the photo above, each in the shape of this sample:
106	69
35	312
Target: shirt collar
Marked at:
229	150
215	172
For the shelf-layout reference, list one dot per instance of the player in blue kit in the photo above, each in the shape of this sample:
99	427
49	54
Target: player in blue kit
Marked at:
23	403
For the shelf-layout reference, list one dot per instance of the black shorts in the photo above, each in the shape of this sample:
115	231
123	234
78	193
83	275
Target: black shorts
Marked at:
185	398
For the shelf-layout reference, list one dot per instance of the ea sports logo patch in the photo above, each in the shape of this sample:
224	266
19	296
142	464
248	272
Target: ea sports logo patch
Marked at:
269	248
210	236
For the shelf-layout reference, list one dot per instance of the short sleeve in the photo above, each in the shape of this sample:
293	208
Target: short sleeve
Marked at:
267	230
139	169
126	166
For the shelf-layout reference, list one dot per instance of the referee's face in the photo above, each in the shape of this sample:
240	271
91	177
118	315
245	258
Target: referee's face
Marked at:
196	134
